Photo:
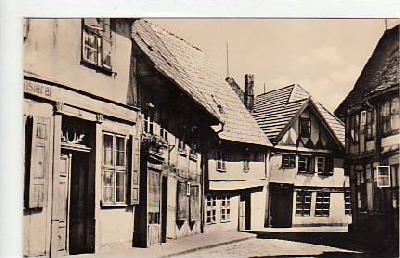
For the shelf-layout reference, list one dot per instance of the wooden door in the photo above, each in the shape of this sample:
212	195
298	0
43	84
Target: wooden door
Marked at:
59	237
153	208
281	206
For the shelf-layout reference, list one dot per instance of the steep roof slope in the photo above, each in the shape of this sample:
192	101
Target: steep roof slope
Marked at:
190	68
381	71
275	109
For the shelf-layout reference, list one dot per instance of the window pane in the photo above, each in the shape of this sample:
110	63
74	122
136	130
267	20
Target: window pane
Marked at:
108	149
120	185
120	151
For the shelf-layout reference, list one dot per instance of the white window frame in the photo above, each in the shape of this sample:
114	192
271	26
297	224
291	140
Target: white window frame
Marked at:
290	157
347	203
325	200
300	204
306	162
114	169
225	208
363	118
211	207
379	176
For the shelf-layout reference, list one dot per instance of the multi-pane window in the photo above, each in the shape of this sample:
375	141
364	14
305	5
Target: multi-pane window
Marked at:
390	116
97	42
225	208
383	176
303	203
305	127
303	165
221	157
347	203
148	120
114	169
288	161
325	165
322	204
211	209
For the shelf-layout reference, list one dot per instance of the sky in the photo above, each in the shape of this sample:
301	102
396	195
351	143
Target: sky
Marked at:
324	56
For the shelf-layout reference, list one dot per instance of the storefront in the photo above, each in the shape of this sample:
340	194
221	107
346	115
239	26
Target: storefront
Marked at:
81	170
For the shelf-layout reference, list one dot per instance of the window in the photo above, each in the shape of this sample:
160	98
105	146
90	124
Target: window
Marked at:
304	164
320	164
211	209
153	197
370	125
148	119
225	208
363	119
383	176
288	161
221	161
305	127
114	169
303	203
183	200
354	128
96	42
390	116
246	162
347	203
322	204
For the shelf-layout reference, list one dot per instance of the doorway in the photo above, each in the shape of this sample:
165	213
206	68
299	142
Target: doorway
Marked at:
164	192
81	204
245	211
281	204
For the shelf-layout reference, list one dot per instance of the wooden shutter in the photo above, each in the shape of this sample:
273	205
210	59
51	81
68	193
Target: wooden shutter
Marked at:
106	46
311	164
39	162
194	203
182	202
329	165
135	170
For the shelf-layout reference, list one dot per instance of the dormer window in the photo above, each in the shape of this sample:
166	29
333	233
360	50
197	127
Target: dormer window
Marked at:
96	42
305	127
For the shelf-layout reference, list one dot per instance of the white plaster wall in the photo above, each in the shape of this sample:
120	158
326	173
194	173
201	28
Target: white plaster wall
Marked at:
258	209
116	225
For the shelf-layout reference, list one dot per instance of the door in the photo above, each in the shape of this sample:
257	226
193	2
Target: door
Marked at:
244	212
281	204
164	192
153	212
59	239
81	213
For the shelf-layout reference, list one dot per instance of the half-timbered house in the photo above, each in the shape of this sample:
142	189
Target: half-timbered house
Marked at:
307	182
371	111
81	136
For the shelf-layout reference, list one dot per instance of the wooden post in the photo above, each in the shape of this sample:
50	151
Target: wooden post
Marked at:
98	190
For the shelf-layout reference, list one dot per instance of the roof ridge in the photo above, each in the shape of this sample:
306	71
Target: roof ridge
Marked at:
172	34
268	92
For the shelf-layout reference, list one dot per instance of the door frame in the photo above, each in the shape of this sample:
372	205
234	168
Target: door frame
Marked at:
280	187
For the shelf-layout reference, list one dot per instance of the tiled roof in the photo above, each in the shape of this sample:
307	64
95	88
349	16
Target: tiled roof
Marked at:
194	73
381	71
275	109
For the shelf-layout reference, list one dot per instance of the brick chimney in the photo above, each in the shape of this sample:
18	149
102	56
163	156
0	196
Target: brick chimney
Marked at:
249	91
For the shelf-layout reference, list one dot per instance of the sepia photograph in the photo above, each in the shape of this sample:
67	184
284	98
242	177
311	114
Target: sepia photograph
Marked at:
210	137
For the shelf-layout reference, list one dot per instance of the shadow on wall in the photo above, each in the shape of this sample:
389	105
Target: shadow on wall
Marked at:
341	240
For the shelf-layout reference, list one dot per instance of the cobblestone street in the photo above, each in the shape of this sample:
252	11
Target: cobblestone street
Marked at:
291	245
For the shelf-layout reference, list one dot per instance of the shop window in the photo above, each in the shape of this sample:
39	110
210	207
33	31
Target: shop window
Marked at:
305	164
347	203
211	209
221	157
390	116
305	127
303	203
114	169
225	208
97	42
383	176
288	161
153	196
322	204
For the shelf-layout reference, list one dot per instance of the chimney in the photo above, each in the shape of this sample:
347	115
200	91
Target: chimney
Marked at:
249	91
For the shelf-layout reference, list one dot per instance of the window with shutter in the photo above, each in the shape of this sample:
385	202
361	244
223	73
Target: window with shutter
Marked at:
39	169
135	170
